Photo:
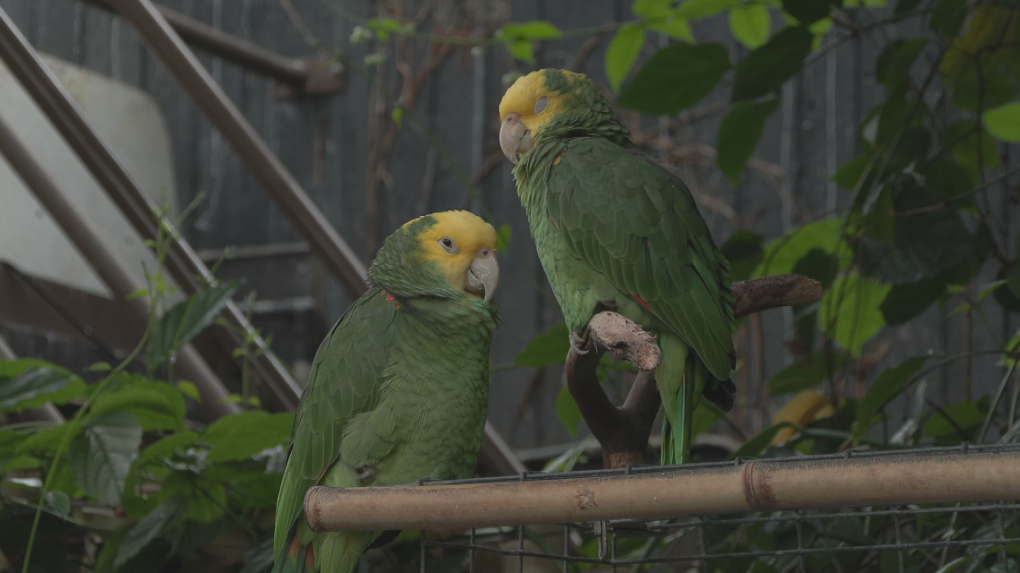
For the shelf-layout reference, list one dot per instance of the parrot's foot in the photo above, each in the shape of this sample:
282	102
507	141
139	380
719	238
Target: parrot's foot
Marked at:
578	340
366	473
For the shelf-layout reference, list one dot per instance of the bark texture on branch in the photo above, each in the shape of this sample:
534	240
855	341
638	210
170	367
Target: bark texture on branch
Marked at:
623	430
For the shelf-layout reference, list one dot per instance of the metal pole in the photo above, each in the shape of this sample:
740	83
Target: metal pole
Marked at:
231	48
114	274
246	142
761	485
183	264
47	413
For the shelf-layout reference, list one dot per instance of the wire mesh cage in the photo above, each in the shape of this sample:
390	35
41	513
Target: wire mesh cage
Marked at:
888	538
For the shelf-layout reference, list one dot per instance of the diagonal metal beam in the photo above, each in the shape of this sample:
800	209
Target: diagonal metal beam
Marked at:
182	263
327	244
111	270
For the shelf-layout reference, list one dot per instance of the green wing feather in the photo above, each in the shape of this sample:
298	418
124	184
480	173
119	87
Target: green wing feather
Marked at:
344	382
638	225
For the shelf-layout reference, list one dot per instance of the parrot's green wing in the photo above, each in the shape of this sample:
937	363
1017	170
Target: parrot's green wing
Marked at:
344	381
637	224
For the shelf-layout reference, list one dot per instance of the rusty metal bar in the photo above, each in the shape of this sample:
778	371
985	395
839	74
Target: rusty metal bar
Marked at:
182	263
306	217
114	274
761	485
231	48
48	413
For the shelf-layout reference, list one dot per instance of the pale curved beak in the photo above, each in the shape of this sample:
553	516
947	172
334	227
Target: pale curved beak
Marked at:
483	274
514	137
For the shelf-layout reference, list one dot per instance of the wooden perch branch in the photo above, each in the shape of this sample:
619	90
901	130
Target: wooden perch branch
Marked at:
623	430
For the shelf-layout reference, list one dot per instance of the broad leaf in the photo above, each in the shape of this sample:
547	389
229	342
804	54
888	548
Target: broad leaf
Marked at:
807	11
947	16
929	238
156	524
531	30
803	376
905	301
240	436
157	405
546	349
101	455
889	384
206	500
29	384
622	52
739	134
973	146
675	78
185	321
1003	122
167	446
966	416
744	252
702	8
751	24
783	254
892	68
756	445
850	311
766	68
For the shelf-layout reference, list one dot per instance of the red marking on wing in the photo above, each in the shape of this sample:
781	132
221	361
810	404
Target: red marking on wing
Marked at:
642	302
295	548
389	297
309	558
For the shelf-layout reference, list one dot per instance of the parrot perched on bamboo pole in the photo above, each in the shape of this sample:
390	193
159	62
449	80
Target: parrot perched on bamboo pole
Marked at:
399	389
614	229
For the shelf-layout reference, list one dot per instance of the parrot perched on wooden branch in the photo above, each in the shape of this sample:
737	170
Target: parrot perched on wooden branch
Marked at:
399	389
614	229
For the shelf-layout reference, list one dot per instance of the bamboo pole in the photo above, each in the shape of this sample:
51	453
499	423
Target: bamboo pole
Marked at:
751	486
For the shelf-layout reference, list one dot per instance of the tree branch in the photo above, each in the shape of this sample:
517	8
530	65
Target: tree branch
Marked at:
623	431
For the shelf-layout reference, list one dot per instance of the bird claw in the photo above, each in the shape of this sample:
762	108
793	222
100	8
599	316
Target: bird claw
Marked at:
577	342
365	473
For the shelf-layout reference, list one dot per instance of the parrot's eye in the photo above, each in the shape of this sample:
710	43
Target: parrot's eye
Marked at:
448	244
541	104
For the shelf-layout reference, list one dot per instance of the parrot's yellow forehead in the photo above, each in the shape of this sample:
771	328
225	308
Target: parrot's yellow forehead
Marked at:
521	97
467	232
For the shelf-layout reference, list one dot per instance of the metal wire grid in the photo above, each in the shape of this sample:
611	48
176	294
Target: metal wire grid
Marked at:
901	539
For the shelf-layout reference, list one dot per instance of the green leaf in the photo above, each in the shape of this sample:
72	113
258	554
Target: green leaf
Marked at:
546	349
522	50
967	415
503	234
206	500
744	252
47	440
185	321
59	503
702	8
751	24
803	376
892	68
739	134
879	222
929	238
889	384
850	311
188	389
965	150
397	115
154	525
27	383
567	412
848	176
783	254
946	178
904	6
947	17
1003	122
807	11
675	78
675	27
156	405
243	435
622	52
531	30
101	455
652	8
766	68
166	446
991	89
905	301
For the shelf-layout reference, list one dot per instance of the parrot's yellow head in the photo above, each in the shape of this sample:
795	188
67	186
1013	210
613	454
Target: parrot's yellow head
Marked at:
547	100
447	254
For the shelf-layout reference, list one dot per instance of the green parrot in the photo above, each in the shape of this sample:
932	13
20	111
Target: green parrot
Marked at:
399	389
614	229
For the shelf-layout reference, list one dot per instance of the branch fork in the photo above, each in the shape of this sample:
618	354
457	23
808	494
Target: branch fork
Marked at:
623	430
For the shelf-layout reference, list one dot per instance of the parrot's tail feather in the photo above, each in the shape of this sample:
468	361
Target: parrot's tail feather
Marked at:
296	558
